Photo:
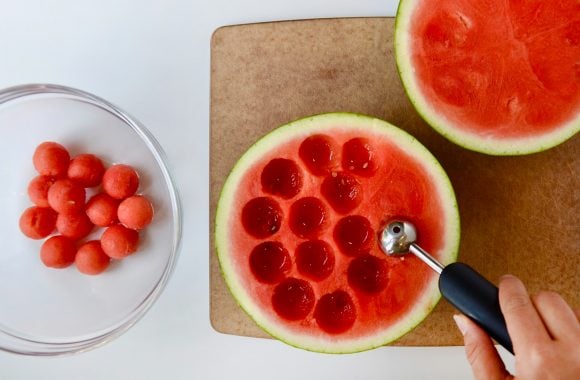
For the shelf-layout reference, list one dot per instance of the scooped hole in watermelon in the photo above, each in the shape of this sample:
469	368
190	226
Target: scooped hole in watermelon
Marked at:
307	217
335	312
315	259
270	262
353	235
368	274
293	299
342	191
282	177
262	217
358	157
318	152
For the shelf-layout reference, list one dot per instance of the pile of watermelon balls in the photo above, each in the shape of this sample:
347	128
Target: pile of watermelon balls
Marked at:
58	194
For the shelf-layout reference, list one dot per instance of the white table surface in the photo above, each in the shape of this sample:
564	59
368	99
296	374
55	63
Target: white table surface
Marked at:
152	59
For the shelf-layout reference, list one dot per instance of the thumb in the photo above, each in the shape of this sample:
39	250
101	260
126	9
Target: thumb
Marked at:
481	354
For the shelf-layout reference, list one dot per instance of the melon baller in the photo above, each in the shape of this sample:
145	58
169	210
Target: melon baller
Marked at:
462	286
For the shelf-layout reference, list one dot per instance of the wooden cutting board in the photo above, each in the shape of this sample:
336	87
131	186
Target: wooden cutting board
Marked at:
519	215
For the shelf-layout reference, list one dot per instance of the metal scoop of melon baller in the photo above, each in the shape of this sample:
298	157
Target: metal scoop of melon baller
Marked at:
461	285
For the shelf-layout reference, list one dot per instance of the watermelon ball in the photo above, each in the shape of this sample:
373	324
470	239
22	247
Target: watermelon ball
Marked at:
307	217
66	196
262	217
318	152
269	262
281	177
37	222
102	210
86	169
51	159
315	259
353	235
293	299
342	191
91	259
58	252
120	181
357	157
38	189
335	312
368	274
74	226
119	241
135	212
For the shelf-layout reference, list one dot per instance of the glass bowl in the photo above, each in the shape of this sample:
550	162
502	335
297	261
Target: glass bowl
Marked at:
46	311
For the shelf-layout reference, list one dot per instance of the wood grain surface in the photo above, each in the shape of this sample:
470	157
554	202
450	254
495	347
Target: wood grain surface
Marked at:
519	215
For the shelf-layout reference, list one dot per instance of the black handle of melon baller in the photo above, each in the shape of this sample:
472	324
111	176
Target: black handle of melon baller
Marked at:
462	286
477	298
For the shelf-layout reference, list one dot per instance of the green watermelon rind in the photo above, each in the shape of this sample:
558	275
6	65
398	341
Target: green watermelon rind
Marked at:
305	127
472	141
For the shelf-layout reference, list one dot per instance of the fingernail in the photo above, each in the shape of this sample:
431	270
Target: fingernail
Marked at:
460	322
507	277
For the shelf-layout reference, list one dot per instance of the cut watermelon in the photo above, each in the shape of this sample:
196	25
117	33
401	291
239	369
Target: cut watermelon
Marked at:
498	77
297	225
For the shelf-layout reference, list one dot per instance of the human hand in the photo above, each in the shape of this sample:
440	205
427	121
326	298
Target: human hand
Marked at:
544	330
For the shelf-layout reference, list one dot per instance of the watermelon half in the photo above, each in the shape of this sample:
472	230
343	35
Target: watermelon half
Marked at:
495	76
297	227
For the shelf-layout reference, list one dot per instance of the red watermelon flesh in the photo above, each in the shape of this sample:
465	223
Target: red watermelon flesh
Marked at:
339	293
497	62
